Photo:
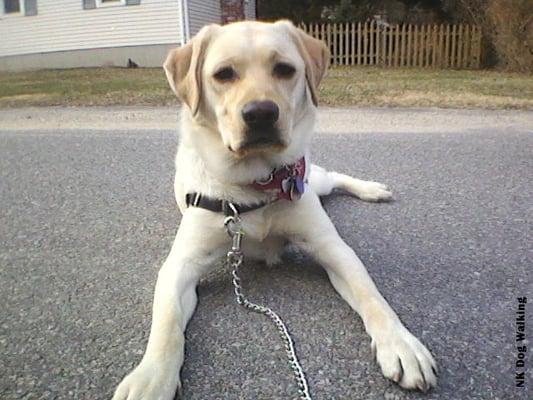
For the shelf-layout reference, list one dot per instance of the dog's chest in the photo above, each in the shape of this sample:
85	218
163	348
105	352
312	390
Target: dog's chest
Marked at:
257	226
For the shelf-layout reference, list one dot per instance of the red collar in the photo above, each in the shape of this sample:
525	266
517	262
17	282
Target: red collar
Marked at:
287	182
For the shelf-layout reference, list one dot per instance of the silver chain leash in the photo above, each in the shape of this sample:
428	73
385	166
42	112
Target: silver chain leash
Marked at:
235	260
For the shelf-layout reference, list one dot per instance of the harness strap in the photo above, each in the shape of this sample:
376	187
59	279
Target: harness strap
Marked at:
217	205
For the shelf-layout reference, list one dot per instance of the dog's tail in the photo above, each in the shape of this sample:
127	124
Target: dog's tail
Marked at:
323	182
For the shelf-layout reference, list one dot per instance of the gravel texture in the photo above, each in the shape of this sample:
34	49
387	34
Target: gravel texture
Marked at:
88	216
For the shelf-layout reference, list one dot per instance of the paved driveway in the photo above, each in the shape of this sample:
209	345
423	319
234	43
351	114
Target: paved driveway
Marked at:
88	215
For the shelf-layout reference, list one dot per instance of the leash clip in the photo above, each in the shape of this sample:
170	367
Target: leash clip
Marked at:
233	227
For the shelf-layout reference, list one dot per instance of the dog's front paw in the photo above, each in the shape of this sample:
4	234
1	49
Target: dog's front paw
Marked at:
149	381
374	191
405	360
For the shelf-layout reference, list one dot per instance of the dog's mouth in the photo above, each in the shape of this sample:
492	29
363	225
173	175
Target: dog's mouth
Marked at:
259	142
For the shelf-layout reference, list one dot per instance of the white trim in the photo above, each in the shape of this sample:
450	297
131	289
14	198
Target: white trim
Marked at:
186	18
182	23
21	13
114	3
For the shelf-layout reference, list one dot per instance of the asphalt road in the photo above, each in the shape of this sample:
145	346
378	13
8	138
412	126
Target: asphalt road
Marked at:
87	217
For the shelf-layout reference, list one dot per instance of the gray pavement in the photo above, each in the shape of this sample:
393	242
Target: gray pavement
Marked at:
88	216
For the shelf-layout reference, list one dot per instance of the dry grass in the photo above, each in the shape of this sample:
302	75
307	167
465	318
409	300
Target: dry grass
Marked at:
346	86
408	87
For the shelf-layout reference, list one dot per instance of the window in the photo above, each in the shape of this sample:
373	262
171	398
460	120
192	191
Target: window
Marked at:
107	3
13	6
93	4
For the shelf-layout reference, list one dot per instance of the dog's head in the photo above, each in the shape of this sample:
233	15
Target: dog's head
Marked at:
250	82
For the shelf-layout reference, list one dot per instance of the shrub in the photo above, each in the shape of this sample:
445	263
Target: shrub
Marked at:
511	31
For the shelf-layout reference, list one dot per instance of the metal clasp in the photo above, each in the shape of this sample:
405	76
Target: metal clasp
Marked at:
234	230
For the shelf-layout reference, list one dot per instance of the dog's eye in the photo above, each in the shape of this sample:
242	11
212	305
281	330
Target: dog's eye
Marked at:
226	74
284	70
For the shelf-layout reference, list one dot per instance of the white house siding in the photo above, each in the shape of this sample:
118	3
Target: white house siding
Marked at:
64	25
249	9
202	12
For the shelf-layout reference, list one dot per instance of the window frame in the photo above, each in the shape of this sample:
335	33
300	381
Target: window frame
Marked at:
20	13
115	3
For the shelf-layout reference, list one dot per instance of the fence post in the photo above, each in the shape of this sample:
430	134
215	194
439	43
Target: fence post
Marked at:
347	44
338	35
414	61
409	42
479	50
440	46
437	46
342	45
422	47
359	48
428	46
427	42
454	40
466	50
335	33
433	33
371	44
383	34
440	39
378	43
365	43
396	48
339	44
352	43
418	45
390	44
328	35
400	49
476	47
460	44
346	33
445	45
340	38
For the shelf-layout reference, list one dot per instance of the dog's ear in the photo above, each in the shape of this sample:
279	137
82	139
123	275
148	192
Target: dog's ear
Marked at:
315	54
183	68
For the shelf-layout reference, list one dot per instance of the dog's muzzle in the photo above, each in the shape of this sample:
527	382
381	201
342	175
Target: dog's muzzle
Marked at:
260	118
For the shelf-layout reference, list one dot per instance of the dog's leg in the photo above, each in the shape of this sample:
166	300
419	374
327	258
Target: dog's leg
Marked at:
401	356
194	251
323	182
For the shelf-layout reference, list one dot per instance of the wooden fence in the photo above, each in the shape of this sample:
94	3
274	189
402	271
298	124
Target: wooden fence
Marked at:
435	46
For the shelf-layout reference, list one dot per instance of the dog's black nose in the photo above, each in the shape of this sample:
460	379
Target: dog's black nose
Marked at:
260	114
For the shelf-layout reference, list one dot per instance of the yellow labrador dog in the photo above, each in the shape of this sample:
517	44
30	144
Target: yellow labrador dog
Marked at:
250	93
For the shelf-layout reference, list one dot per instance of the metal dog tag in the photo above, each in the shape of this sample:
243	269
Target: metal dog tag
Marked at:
286	185
299	184
297	188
